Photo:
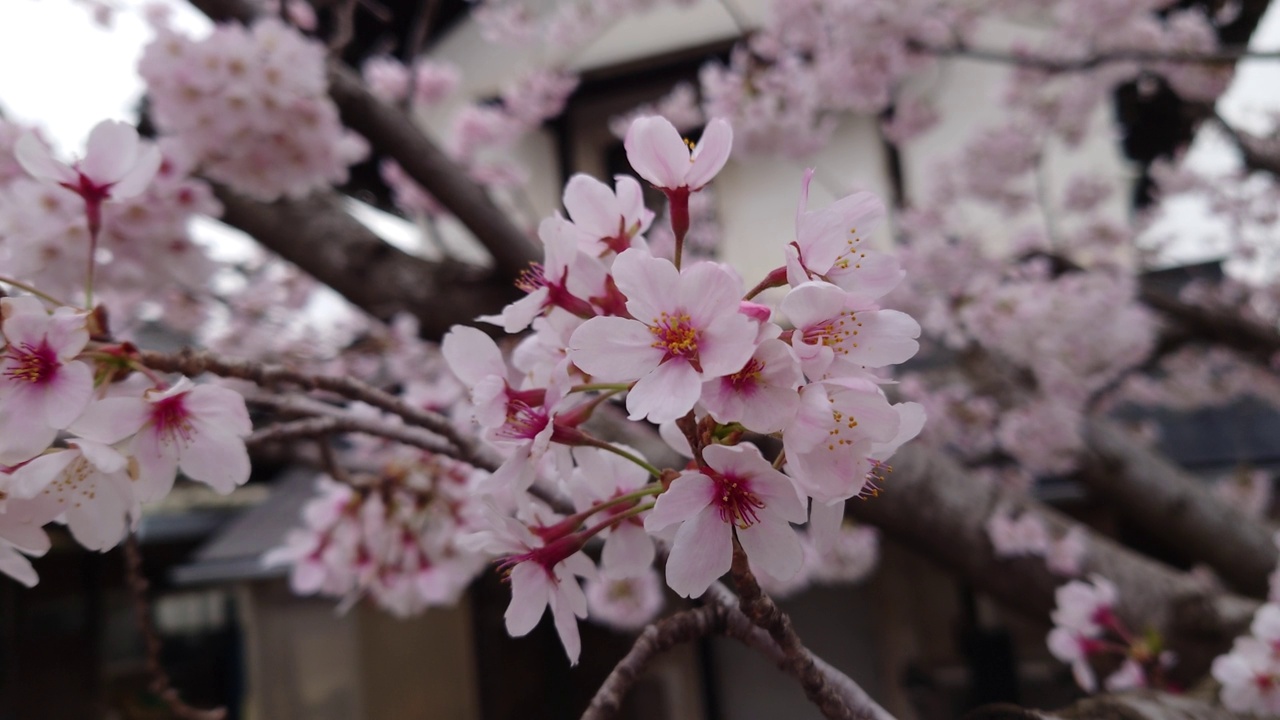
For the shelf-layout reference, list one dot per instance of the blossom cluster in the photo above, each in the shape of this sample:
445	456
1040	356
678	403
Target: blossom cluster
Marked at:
684	345
87	432
391	536
250	108
1250	673
1086	629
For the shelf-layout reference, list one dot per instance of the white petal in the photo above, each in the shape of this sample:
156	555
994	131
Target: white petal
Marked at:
530	591
667	393
773	547
701	553
688	494
112	150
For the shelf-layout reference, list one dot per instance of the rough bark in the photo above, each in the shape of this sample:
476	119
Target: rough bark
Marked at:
1177	508
932	505
320	237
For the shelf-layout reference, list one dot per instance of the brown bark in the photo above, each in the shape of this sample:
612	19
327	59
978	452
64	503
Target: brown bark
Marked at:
932	505
319	236
1136	705
1177	508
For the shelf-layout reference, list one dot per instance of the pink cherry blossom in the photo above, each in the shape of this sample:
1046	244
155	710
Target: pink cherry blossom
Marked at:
834	336
116	164
687	329
658	153
199	430
600	476
737	493
627	603
88	485
43	389
606	219
762	395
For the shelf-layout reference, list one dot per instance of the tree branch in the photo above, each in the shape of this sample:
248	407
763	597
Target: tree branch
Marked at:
1167	503
930	504
659	637
392	133
318	235
798	661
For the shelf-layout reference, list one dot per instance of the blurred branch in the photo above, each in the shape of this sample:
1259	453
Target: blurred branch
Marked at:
933	506
318	235
160	684
1177	508
392	133
1130	705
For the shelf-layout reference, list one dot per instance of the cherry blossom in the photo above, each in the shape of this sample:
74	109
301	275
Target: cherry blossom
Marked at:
116	165
658	153
43	388
737	494
687	329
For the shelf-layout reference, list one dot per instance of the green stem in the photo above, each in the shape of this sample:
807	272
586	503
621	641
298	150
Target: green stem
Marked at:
23	286
614	520
591	387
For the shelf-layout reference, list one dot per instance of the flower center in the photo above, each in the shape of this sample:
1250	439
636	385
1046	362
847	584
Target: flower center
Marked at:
33	364
737	504
524	421
836	332
532	278
172	420
748	378
676	335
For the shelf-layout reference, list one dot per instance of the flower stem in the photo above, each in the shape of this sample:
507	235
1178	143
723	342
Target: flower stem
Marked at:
23	286
614	520
591	387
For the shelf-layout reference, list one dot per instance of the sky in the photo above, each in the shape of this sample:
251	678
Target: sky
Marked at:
63	72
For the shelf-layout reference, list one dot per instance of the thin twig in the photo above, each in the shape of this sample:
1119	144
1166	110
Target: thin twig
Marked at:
160	684
663	635
191	363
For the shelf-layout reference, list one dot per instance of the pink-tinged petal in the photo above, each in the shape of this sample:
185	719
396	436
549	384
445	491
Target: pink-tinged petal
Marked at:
614	349
567	627
520	314
628	551
688	495
887	337
911	419
651	285
825	520
657	152
111	151
707	291
20	438
710	154
111	420
667	393
472	355
781	496
157	465
221	407
813	302
726	345
100	525
631	202
35	158
771	410
773	547
307	577
868	278
215	457
27	536
136	180
812	420
530	591
592	206
701	553
16	566
67	334
31	479
68	394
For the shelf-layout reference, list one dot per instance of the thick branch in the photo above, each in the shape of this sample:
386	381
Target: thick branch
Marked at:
1132	705
323	239
1167	503
392	133
1247	337
930	503
797	660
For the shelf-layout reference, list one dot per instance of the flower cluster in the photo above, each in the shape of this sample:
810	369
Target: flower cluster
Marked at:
391	536
1086	629
125	436
1250	673
250	107
686	347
